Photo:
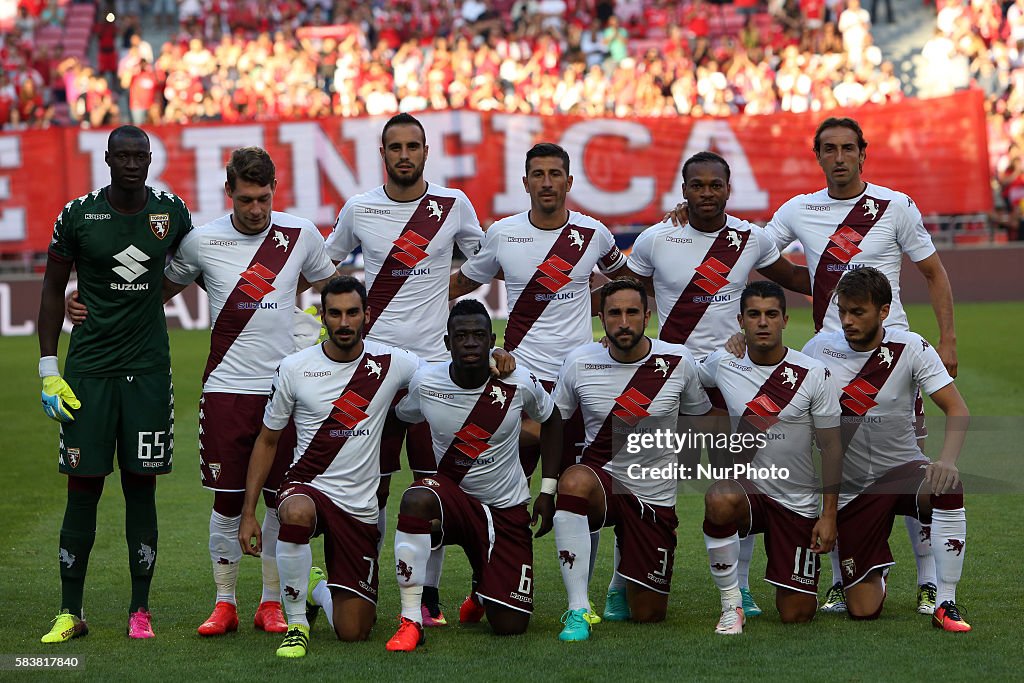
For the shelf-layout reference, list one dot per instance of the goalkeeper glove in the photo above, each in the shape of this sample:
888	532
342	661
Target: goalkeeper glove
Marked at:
57	395
307	329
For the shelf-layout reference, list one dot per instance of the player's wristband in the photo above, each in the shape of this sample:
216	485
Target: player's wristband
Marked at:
548	485
48	367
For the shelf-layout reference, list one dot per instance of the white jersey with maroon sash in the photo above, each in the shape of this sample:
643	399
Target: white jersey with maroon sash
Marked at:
475	432
873	229
339	411
614	397
547	278
251	282
699	276
782	403
877	393
407	253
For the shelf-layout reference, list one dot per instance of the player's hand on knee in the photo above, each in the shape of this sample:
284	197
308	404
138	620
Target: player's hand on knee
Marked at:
943	477
543	512
823	535
58	398
75	309
250	536
736	345
503	363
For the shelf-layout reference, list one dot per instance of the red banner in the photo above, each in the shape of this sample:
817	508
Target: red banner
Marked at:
626	171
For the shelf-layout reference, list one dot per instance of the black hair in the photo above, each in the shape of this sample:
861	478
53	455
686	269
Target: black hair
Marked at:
402	119
253	165
621	285
127	131
468	307
764	289
835	122
547	149
707	158
866	284
343	284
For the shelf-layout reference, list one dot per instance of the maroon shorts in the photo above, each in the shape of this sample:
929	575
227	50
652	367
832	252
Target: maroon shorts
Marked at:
790	564
418	448
350	546
865	523
497	541
228	427
574	434
645	534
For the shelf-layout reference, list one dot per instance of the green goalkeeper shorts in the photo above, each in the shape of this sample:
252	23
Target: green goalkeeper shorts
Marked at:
132	415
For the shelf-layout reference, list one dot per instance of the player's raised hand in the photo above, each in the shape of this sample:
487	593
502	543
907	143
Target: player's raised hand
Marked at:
736	345
947	353
58	398
502	363
75	309
943	477
250	536
543	512
823	535
679	215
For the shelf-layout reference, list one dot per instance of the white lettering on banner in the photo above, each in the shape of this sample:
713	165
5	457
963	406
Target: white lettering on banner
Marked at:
13	226
437	125
209	145
746	195
94	143
178	308
590	198
8	328
519	133
313	152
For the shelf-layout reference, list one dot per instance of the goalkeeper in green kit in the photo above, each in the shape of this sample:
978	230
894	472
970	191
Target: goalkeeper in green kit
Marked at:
116	394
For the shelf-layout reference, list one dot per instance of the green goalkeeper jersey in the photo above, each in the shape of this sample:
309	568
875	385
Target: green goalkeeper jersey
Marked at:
120	260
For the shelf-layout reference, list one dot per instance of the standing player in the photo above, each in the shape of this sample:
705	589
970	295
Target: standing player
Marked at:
635	377
338	393
251	261
885	473
696	273
850	224
407	229
117	394
783	399
478	497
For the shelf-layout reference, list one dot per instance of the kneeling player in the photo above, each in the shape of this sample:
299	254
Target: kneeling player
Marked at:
779	395
885	472
478	497
634	377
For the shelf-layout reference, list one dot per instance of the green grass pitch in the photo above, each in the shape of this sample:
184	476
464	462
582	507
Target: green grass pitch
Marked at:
901	645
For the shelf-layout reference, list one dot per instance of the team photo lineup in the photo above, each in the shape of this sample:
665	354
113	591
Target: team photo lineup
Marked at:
315	411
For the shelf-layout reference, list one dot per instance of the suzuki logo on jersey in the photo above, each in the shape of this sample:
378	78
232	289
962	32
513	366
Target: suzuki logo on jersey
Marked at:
713	272
845	241
633	407
576	239
734	240
766	411
885	354
350	409
556	271
160	223
258	278
473	441
411	245
497	396
861	396
131	268
281	240
870	208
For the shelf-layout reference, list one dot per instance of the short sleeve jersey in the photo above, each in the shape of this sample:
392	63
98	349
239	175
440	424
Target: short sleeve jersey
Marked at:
699	276
787	401
407	255
885	225
547	278
477	432
339	411
120	262
614	397
251	282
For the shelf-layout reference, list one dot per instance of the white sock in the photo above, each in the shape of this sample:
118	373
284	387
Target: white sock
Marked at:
293	563
412	555
723	556
618	582
837	571
225	554
595	544
322	596
271	579
572	538
382	526
743	565
949	538
921	541
435	565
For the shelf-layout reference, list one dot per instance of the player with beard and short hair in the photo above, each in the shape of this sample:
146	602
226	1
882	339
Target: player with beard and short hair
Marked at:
407	230
885	473
614	387
478	497
782	399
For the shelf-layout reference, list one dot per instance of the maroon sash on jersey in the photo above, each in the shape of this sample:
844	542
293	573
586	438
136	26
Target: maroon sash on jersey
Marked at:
631	405
708	278
409	249
255	283
859	395
864	215
550	276
346	415
775	394
483	420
